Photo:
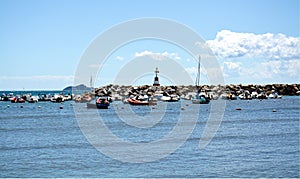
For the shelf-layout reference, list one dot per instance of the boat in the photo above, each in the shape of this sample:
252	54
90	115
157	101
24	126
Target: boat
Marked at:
83	99
91	105
138	100
44	97
262	96
33	99
274	95
17	99
7	97
228	96
57	98
245	95
170	98
200	97
102	102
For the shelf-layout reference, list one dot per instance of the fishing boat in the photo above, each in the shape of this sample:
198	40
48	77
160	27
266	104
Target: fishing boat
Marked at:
229	96
199	98
17	99
274	95
102	102
262	95
44	97
139	100
33	99
170	98
56	98
245	95
134	101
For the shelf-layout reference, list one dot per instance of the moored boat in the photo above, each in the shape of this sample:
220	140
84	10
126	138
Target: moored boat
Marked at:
57	98
17	99
33	99
170	98
139	100
102	103
200	97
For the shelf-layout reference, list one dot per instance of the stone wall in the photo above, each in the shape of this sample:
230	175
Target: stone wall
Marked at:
119	92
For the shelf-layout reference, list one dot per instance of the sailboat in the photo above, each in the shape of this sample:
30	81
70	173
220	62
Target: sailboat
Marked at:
200	98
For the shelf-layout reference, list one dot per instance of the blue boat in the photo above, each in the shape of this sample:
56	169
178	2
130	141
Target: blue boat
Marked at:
101	103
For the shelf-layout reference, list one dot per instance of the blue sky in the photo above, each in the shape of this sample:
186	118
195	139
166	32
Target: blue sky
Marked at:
42	41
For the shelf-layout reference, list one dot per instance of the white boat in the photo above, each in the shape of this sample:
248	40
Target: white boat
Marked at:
201	97
33	99
245	96
170	98
56	98
274	96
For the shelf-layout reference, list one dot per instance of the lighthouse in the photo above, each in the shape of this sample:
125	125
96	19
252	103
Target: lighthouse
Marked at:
156	80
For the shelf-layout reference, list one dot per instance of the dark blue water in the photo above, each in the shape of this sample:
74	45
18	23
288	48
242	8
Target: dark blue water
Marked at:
46	141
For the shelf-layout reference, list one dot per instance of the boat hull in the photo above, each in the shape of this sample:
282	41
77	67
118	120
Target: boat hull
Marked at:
102	106
198	101
137	102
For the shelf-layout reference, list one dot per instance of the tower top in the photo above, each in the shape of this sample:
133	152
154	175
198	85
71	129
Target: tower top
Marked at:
156	80
156	71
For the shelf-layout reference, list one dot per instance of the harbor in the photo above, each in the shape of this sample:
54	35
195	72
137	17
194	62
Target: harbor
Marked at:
121	92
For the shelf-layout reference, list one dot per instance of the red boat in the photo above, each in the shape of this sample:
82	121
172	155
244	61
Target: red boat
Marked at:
133	101
17	100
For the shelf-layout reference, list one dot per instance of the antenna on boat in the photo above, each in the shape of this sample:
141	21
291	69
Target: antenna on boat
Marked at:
198	73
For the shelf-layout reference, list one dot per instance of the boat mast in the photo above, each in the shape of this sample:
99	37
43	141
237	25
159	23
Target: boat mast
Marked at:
198	73
91	82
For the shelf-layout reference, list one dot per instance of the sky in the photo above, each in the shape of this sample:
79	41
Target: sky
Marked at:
42	42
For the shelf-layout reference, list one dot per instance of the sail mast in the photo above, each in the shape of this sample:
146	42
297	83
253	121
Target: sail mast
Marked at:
91	82
198	73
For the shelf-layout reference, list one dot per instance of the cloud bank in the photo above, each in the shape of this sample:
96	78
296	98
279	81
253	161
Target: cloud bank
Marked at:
158	56
268	46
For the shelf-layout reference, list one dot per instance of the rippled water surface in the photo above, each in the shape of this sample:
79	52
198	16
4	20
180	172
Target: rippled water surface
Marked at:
41	140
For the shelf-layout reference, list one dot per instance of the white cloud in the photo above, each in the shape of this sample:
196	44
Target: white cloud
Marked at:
158	56
293	68
192	70
272	71
233	65
119	58
269	46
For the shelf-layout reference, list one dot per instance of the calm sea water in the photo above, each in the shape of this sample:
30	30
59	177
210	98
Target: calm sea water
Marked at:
41	140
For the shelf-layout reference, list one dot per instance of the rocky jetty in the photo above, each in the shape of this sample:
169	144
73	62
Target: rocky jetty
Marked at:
119	92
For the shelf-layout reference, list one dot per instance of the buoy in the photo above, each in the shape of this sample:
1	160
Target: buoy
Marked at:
61	107
238	109
8	106
21	106
39	106
274	110
182	108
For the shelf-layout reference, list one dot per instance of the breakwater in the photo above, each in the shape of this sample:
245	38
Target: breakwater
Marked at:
119	92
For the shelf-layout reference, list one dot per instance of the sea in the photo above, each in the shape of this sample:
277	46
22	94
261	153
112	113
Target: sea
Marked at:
256	138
